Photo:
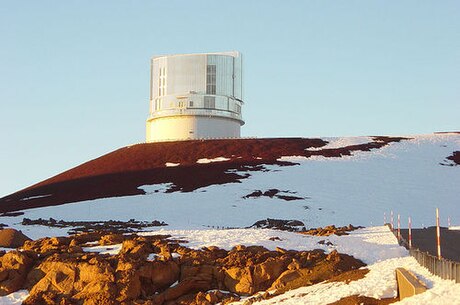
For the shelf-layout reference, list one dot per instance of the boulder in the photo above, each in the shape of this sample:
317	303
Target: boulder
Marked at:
127	280
264	274
11	238
111	239
323	269
48	246
14	267
239	280
129	286
136	248
71	278
190	285
159	275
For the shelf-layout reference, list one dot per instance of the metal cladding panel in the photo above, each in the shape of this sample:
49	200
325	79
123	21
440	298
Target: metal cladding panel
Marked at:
185	74
156	64
238	62
224	73
229	74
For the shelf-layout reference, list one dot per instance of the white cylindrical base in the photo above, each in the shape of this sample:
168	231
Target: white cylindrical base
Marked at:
191	127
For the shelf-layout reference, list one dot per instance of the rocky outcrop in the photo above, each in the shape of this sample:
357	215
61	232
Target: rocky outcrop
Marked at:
110	226
453	159
274	193
329	230
280	224
324	269
157	270
72	277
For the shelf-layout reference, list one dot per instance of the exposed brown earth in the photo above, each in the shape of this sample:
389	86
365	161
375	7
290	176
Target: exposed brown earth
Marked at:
350	276
57	271
359	299
121	172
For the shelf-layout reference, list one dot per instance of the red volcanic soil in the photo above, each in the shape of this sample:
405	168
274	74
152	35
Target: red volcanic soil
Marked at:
122	171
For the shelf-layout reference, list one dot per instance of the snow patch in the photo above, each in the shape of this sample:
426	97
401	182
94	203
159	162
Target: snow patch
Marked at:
7	250
206	160
170	164
150	189
15	298
339	142
292	158
152	256
35	197
112	250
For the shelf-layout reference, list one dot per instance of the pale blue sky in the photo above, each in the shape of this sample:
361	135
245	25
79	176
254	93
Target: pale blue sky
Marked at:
74	75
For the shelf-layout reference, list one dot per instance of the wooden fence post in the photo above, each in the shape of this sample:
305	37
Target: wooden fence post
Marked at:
410	233
391	221
438	234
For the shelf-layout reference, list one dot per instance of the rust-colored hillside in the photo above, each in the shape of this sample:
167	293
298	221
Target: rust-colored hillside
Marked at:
122	171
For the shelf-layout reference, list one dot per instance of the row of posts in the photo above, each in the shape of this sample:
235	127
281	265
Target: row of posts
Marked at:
438	230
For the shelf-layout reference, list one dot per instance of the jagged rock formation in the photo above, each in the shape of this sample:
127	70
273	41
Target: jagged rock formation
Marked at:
158	270
329	230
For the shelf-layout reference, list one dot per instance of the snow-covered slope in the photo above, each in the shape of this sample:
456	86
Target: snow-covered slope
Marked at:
406	177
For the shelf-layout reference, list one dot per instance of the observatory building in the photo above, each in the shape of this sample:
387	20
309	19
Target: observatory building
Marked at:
195	96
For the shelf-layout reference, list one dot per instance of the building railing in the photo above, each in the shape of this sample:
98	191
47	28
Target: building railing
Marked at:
444	268
197	112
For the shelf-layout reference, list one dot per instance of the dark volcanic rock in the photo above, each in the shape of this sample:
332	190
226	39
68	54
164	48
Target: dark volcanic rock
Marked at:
279	224
273	193
110	226
455	158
